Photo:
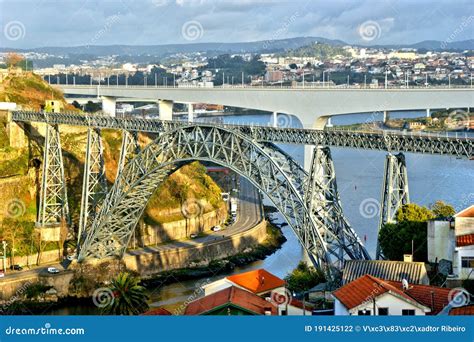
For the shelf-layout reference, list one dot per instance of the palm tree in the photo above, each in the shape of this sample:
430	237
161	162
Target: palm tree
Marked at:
129	298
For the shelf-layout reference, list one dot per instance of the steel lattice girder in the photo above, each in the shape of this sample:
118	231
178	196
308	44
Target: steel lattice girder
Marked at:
124	204
129	149
94	186
322	199
395	192
53	206
386	141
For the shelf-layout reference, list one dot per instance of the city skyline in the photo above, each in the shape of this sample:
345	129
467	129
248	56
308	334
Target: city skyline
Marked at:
161	22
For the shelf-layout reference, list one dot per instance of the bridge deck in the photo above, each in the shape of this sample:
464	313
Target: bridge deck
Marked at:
459	146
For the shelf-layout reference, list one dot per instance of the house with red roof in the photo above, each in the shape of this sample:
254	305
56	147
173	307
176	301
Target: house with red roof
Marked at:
369	295
452	240
259	282
231	301
265	286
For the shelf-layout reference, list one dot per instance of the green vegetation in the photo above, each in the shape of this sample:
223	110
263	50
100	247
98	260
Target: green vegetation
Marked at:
232	68
318	50
442	210
303	278
409	231
129	298
189	182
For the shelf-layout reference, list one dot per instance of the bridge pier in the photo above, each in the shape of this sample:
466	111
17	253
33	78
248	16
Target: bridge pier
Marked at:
129	149
94	186
428	113
323	202
190	112
385	116
275	119
109	105
53	206
166	109
395	192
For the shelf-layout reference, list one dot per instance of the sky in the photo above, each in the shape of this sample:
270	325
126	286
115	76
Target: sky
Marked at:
36	23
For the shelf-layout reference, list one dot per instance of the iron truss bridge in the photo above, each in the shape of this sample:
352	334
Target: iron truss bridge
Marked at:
458	146
309	200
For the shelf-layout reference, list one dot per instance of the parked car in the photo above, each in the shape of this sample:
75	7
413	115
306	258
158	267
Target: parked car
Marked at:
216	228
70	257
2	274
53	270
193	236
16	267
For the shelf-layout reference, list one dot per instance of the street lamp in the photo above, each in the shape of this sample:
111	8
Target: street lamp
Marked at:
4	243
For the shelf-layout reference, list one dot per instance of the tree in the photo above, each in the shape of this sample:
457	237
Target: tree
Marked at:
442	210
129	297
303	278
410	230
413	212
13	59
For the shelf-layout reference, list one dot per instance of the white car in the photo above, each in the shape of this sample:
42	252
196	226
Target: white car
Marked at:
53	270
193	236
216	228
2	274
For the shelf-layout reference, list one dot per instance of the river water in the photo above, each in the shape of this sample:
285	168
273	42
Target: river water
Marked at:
359	178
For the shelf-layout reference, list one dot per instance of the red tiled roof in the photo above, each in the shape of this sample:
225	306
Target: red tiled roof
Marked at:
368	287
257	281
465	240
233	295
463	310
468	212
299	304
364	289
436	298
157	312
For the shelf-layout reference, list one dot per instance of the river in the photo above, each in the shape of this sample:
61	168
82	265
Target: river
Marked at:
359	177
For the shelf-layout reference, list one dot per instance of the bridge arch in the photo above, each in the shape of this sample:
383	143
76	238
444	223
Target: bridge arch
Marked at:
265	166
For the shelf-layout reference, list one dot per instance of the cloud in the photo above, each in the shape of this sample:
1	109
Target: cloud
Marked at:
69	23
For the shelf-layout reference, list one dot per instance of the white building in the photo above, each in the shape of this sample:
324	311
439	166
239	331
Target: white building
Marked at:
453	240
368	296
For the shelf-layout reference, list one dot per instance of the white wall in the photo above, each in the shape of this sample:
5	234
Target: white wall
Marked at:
394	304
441	241
463	273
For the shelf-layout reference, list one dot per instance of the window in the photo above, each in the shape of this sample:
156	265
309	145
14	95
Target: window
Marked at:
408	312
383	311
467	262
363	312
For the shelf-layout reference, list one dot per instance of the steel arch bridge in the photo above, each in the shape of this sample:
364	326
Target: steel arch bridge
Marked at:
287	185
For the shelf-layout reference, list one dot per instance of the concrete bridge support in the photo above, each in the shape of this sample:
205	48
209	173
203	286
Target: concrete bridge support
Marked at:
166	109
109	105
428	113
395	192
275	119
190	112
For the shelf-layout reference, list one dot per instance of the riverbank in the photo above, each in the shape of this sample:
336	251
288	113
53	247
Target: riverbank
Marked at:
81	303
272	243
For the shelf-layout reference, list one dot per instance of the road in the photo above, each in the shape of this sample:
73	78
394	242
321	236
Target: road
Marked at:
249	213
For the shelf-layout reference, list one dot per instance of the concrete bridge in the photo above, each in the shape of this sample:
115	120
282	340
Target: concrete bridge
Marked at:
312	106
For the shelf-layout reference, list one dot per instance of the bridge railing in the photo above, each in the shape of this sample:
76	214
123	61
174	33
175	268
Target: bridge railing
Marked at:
306	86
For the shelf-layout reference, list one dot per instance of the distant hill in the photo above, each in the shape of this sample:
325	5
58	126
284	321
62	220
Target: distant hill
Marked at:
317	50
162	50
263	46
